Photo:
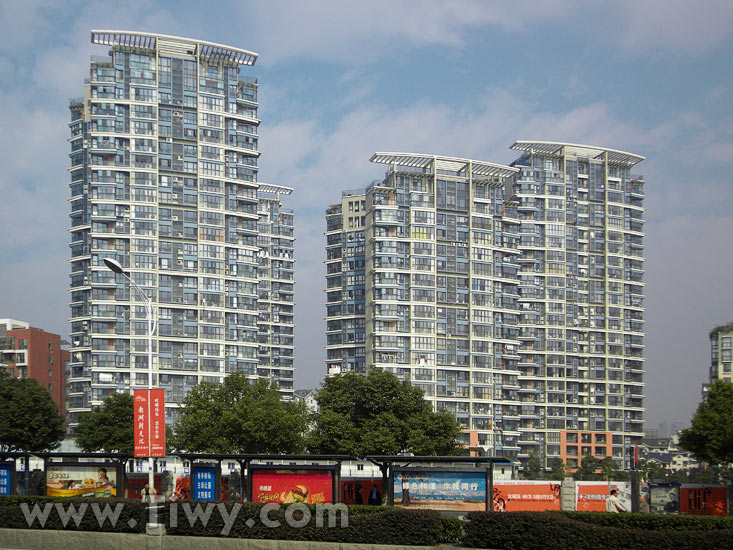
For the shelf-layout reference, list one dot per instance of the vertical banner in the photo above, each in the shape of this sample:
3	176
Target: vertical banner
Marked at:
6	480
142	445
157	430
155	444
204	483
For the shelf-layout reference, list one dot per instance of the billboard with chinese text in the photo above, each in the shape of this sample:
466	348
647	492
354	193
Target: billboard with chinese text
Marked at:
530	496
204	483
591	496
703	500
289	486
149	438
464	491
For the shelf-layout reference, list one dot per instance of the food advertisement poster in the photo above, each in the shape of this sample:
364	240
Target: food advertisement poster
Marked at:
530	496
289	486
81	480
464	491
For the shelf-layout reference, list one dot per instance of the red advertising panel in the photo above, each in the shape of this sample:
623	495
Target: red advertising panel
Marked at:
288	486
526	496
142	446
592	496
157	430
703	501
155	446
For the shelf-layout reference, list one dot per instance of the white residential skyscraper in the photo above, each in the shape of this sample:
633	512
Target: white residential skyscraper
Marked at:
164	153
512	295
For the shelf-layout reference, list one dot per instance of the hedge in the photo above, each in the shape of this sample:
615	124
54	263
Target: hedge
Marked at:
366	524
375	525
12	514
654	522
555	531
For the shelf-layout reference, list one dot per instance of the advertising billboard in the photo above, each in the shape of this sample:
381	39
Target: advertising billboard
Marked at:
526	496
664	498
81	480
703	500
591	496
289	486
434	490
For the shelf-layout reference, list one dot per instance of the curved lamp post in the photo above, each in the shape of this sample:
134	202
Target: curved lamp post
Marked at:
116	267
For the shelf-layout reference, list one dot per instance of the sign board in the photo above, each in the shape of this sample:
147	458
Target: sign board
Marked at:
204	483
6	479
703	500
530	496
81	480
591	496
288	486
436	490
149	438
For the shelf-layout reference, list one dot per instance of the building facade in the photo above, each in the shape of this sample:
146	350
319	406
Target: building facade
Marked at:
27	352
422	282
581	300
512	295
275	288
721	349
164	152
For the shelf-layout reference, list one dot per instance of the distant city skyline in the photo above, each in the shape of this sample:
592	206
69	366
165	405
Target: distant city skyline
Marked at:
339	81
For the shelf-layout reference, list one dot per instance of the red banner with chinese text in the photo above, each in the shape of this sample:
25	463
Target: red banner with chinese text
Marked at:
152	443
286	487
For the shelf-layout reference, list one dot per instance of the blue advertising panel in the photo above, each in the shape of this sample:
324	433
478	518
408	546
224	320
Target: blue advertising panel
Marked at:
6	480
463	491
204	484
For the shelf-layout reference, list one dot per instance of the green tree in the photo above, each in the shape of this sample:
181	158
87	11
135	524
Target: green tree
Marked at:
109	427
238	416
557	469
29	417
608	468
587	471
533	468
710	438
379	415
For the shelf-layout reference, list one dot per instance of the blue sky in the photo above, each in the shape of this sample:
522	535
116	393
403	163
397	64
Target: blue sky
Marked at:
340	80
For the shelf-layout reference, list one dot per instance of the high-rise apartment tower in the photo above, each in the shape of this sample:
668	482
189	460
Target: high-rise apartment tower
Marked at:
164	153
512	295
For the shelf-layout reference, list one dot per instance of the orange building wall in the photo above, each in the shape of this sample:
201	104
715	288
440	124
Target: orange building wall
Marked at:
46	366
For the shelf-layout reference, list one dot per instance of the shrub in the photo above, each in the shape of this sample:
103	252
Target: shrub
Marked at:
654	522
374	525
555	531
12	514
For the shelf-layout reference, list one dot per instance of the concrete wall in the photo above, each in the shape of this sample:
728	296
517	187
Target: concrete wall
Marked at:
22	539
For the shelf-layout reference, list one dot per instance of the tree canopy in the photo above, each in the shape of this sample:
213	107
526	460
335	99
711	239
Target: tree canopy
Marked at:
29	417
109	427
237	416
533	468
710	438
377	414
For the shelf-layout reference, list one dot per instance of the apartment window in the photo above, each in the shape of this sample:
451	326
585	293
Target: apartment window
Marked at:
50	373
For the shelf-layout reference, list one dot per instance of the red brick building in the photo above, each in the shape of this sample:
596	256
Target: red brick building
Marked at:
29	352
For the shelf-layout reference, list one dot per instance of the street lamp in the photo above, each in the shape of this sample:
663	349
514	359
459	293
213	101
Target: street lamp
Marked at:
116	267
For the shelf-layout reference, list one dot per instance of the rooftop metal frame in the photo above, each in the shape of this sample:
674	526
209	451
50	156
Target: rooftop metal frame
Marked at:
556	148
275	189
148	41
418	160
